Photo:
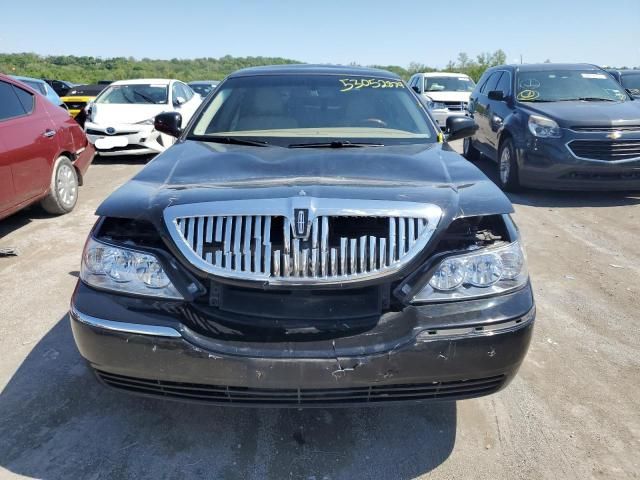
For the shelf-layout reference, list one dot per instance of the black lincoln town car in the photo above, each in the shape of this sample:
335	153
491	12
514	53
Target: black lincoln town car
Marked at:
310	240
556	126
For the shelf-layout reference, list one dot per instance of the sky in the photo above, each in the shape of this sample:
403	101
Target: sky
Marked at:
383	32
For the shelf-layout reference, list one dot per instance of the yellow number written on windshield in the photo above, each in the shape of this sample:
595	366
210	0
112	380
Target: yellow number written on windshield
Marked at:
358	83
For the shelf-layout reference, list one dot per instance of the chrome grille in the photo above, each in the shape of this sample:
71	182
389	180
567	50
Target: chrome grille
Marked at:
456	106
262	243
621	128
608	150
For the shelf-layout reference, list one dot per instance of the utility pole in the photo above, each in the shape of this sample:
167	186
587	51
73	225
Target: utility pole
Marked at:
520	59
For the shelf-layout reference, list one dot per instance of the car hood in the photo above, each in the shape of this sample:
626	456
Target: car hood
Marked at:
114	114
589	114
195	172
448	96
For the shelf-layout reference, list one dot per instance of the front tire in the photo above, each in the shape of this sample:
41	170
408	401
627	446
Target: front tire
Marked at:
469	152
508	167
63	192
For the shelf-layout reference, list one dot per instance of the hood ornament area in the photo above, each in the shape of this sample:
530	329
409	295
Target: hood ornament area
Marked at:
615	135
301	223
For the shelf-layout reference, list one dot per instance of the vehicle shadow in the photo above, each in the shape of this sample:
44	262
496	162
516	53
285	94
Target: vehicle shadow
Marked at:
560	199
57	422
21	219
123	159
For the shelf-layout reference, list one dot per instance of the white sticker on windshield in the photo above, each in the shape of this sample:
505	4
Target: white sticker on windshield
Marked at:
462	78
599	76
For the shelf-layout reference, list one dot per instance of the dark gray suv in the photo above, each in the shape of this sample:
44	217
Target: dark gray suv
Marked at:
557	126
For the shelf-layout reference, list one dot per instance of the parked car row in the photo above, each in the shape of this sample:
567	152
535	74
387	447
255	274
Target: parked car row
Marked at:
546	126
302	206
44	153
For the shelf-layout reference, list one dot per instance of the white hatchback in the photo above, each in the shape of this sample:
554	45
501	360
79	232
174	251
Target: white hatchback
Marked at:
120	119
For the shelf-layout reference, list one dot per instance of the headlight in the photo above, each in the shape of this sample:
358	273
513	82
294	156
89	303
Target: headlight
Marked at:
483	272
432	105
124	270
148	121
543	127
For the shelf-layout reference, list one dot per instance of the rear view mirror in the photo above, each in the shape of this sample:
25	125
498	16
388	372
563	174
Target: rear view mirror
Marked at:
169	123
416	89
496	95
179	101
460	127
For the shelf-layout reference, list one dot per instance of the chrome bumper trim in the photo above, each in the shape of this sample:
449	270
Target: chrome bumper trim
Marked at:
480	331
123	327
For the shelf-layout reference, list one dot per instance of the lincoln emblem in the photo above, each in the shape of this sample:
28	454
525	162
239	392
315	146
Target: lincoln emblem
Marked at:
301	219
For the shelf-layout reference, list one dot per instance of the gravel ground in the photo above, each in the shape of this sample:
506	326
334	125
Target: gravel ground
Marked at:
572	412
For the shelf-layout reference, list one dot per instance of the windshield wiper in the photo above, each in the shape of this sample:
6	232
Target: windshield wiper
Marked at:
596	99
233	141
144	97
336	144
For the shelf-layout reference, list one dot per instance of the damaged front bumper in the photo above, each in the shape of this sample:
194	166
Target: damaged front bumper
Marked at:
437	352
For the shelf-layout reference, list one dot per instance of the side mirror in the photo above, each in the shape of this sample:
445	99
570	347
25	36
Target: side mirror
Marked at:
179	101
169	123
416	89
496	95
460	127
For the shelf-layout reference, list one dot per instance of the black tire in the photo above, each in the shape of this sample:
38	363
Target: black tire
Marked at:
469	152
63	192
508	178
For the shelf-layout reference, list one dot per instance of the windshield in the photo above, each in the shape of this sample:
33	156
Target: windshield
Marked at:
138	93
202	89
296	109
568	85
448	84
632	82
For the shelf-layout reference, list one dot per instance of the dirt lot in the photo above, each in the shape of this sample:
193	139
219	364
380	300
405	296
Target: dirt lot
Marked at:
572	412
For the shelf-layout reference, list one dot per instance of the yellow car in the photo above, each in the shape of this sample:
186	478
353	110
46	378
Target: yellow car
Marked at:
79	97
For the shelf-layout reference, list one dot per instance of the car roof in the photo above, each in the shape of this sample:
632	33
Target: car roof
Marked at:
307	69
138	81
528	67
90	90
30	79
204	82
624	71
444	74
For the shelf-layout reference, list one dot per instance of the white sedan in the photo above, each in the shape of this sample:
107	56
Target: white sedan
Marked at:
120	119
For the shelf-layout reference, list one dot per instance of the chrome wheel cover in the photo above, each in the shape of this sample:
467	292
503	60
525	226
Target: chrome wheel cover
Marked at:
66	185
505	165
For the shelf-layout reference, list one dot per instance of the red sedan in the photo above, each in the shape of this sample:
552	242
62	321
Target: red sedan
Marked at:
44	153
